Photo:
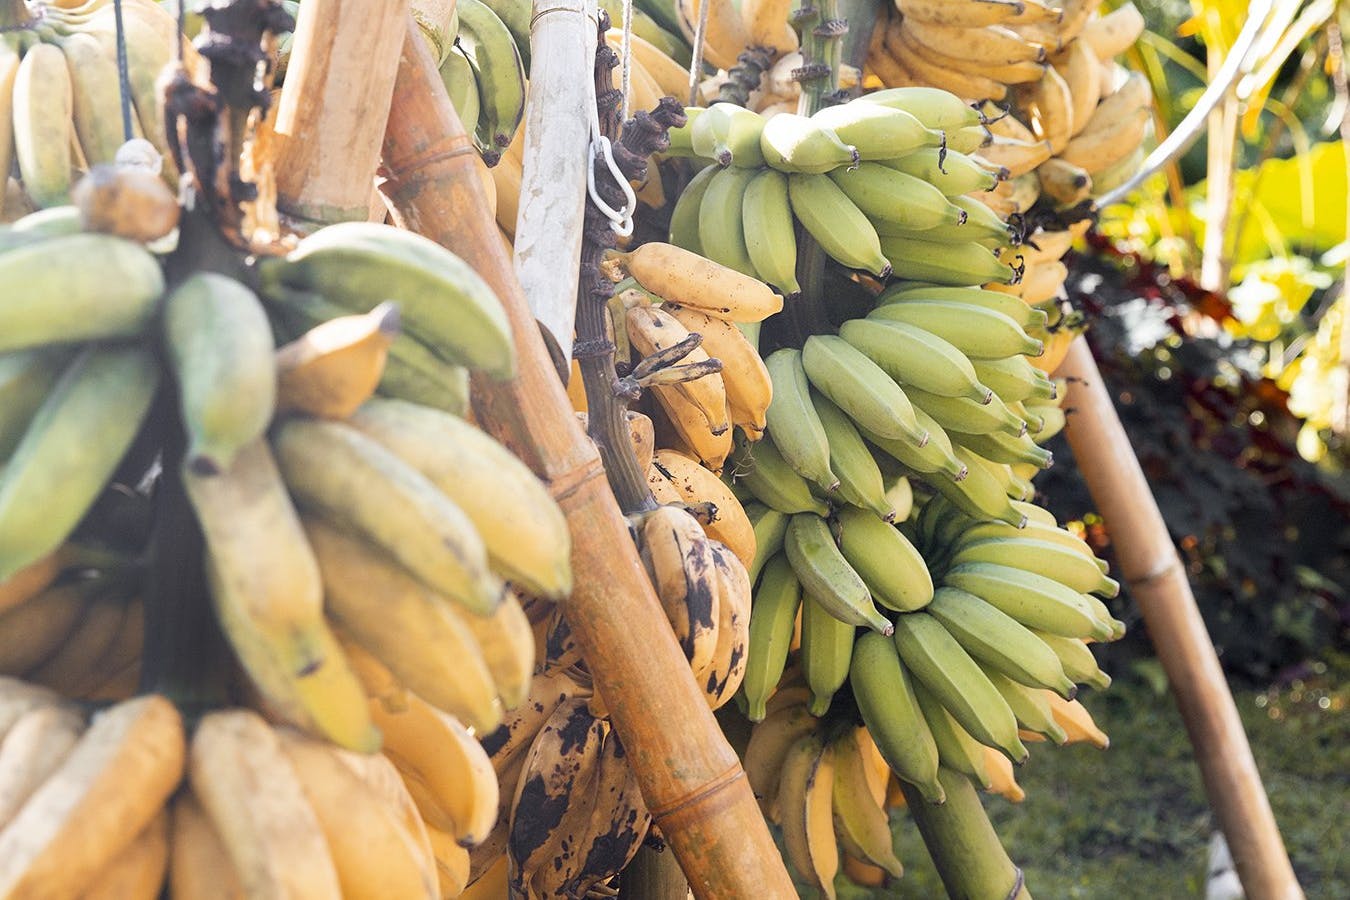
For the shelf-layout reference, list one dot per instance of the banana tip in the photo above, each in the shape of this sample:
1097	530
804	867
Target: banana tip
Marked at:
201	464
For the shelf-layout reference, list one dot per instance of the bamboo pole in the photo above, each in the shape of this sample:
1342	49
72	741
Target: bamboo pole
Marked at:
557	133
1152	570
690	777
333	106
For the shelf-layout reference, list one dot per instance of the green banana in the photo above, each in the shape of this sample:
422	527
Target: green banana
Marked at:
941	665
887	562
934	107
26	377
838	225
462	86
999	642
1053	420
953	174
1035	421
793	423
1103	614
1056	561
721	232
933	457
827	648
1010	306
772	480
915	356
861	823
982	222
728	134
353	482
969	139
770	525
515	15
889	196
979	495
1029	706
957	750
75	288
1076	658
443	301
860	480
71	448
500	71
1034	600
684	216
860	388
978	332
770	239
827	576
793	143
1013	378
967	263
884	691
957	415
878	131
773	616
219	345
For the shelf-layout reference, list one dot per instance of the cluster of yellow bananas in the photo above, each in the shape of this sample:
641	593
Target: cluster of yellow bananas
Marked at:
101	807
60	104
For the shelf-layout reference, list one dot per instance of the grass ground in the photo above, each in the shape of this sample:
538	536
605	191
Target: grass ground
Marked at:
1131	822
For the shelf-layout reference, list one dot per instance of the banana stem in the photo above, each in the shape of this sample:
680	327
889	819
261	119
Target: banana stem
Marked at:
967	853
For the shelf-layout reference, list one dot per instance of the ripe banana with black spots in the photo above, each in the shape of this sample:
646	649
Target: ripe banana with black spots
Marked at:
729	524
689	279
678	556
653	329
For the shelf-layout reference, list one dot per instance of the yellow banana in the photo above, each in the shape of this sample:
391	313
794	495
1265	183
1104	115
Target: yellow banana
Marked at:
421	637
138	871
444	767
744	376
522	529
805	796
200	867
686	278
1115	32
32	749
1050	103
104	793
43	133
372	851
254	799
1063	182
358	484
650	330
1081	72
725	35
330	370
691	429
507	644
730	525
723	678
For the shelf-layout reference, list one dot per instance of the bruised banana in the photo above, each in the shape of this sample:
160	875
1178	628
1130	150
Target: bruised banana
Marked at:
330	370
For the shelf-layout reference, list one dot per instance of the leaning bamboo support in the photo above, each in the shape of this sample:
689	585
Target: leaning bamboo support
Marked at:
690	777
1153	573
330	118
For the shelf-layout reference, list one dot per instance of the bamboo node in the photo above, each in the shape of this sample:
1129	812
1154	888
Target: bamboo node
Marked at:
696	798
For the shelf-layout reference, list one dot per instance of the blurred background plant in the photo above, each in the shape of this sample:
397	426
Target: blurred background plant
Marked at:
1217	296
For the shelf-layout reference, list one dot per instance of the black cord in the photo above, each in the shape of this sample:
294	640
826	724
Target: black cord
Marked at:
123	78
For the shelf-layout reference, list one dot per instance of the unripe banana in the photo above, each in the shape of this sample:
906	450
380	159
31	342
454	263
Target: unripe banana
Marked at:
896	199
793	143
1076	658
1029	705
861	388
43	105
113	292
888	563
794	425
1032	599
827	648
860	481
773	481
956	680
1011	307
721	230
933	107
728	134
838	225
826	575
770	526
884	691
684	217
878	131
770	239
70	450
978	332
26	377
915	356
999	642
957	750
500	71
953	174
220	346
776	602
967	263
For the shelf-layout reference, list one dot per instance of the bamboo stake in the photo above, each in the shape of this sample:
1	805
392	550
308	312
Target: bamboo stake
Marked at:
342	65
1152	570
690	777
557	132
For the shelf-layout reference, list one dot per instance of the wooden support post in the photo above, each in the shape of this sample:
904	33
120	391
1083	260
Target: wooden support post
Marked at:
1153	573
690	777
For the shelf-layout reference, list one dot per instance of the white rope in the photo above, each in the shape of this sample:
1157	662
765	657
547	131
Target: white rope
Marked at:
627	61
696	64
620	220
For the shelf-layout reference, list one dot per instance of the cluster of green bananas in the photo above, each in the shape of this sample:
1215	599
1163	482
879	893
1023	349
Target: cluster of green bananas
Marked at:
483	51
59	98
878	182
